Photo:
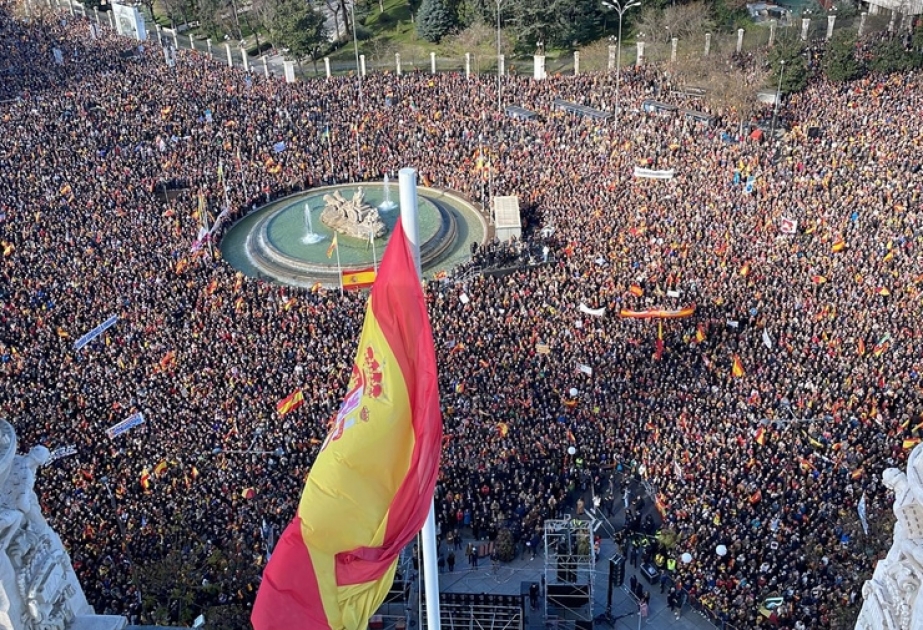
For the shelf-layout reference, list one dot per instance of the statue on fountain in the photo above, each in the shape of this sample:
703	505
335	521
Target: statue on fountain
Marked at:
352	217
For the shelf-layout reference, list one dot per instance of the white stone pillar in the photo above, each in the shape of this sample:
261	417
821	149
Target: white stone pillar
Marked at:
576	63
502	65
874	9
906	22
673	43
175	41
613	52
244	60
538	67
397	63
772	32
467	65
707	43
890	22
327	66
740	40
96	12
191	38
805	26
831	20
266	66
862	17
288	68
640	60
362	65
208	43
159	38
432	63
227	47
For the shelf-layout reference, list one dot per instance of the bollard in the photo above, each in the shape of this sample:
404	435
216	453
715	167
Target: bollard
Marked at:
362	65
244	60
862	17
673	43
707	43
640	60
613	51
467	65
576	63
740	40
502	65
397	63
805	26
432	63
266	66
227	47
831	20
327	66
538	67
772	32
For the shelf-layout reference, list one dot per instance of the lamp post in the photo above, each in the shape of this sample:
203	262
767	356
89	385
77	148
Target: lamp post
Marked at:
499	75
775	107
115	508
352	11
618	7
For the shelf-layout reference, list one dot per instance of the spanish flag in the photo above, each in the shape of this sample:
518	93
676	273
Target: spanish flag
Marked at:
333	246
761	436
838	245
700	333
145	479
636	290
290	403
503	428
737	368
371	486
359	279
910	442
160	468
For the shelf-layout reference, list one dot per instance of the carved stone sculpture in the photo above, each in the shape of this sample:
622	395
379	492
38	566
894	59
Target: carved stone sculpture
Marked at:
38	587
353	217
893	597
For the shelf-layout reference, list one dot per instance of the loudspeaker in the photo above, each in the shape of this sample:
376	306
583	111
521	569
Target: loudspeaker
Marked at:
617	571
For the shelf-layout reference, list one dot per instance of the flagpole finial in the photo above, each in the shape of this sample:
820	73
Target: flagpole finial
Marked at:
407	180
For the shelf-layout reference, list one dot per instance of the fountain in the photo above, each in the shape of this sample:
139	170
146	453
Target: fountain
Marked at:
310	236
387	204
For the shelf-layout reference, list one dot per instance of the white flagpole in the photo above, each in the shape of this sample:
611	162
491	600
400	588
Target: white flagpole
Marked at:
374	253
407	178
339	267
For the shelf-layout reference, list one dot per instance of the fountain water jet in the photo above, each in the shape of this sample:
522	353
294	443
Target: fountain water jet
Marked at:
310	236
387	204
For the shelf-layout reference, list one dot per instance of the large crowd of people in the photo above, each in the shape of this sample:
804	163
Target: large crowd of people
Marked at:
810	283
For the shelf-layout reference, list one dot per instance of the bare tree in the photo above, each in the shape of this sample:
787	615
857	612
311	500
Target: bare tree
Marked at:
684	21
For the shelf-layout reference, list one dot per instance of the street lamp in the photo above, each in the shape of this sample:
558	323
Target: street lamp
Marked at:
499	76
115	508
352	9
618	7
775	107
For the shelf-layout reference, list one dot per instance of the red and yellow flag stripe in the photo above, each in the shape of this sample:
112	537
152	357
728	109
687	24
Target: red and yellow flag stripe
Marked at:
359	278
371	486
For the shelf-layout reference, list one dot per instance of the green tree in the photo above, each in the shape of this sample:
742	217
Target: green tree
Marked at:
434	20
839	62
300	27
890	56
790	50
